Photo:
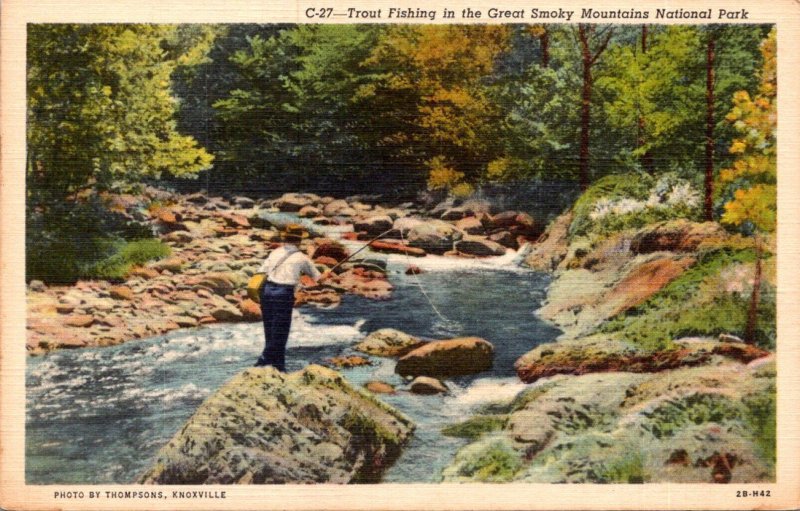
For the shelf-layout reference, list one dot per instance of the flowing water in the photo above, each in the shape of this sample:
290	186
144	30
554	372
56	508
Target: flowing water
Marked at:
99	415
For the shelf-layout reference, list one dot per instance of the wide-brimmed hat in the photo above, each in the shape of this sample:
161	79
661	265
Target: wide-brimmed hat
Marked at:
294	232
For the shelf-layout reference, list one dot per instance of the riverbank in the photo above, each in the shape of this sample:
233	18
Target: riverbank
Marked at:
651	380
218	243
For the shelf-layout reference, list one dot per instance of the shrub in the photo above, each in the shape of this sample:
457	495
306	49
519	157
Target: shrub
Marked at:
612	187
630	201
126	255
64	240
628	469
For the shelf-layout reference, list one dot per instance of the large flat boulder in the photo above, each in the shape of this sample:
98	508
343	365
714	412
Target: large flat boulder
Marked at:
264	426
453	357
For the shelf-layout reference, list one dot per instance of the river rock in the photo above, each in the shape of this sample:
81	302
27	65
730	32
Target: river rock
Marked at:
551	250
309	212
434	236
37	286
325	297
476	207
178	237
226	312
404	225
338	207
221	283
264	426
471	225
244	202
452	214
80	320
427	386
414	270
330	249
480	247
121	293
237	221
173	264
293	202
396	248
251	311
505	219
346	362
330	262
453	357
374	225
388	342
681	425
504	238
379	387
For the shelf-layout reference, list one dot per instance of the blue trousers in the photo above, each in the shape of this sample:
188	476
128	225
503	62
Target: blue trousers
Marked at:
277	302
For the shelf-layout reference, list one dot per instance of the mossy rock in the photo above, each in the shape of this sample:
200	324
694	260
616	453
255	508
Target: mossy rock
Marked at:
264	426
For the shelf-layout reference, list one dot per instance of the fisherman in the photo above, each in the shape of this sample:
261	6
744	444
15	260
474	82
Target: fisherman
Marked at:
283	269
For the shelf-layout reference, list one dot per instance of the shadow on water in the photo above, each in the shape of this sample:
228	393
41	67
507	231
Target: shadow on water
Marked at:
100	415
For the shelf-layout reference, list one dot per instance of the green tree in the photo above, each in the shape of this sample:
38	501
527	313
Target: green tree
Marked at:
100	109
295	108
439	71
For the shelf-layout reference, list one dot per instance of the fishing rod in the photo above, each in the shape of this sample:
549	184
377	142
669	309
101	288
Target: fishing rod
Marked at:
367	244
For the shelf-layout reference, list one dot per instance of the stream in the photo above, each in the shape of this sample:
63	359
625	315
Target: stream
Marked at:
99	415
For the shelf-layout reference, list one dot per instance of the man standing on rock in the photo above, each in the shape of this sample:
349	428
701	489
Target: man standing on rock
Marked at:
283	269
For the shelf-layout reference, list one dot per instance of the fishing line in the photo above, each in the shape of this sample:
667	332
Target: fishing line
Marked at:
419	284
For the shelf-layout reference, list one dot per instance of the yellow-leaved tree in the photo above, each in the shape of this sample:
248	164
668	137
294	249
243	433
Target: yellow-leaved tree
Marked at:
754	203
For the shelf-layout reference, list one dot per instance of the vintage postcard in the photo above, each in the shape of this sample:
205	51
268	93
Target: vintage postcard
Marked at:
382	255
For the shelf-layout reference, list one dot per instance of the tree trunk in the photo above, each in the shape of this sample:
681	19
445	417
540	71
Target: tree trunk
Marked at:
586	103
544	40
755	298
647	158
709	178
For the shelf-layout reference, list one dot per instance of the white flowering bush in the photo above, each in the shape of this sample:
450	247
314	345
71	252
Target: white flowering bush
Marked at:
632	201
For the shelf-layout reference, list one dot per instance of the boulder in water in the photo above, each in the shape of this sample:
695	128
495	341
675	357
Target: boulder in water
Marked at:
374	225
332	249
266	427
471	225
379	387
425	385
396	248
504	238
338	208
404	225
434	236
309	212
388	342
480	247
453	357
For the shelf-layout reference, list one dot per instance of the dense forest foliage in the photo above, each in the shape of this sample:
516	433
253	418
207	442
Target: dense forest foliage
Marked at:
393	109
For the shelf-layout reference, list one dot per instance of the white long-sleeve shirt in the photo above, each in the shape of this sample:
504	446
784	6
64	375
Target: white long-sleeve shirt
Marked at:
289	271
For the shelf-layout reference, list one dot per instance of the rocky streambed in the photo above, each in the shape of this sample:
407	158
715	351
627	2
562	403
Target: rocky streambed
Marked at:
431	332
